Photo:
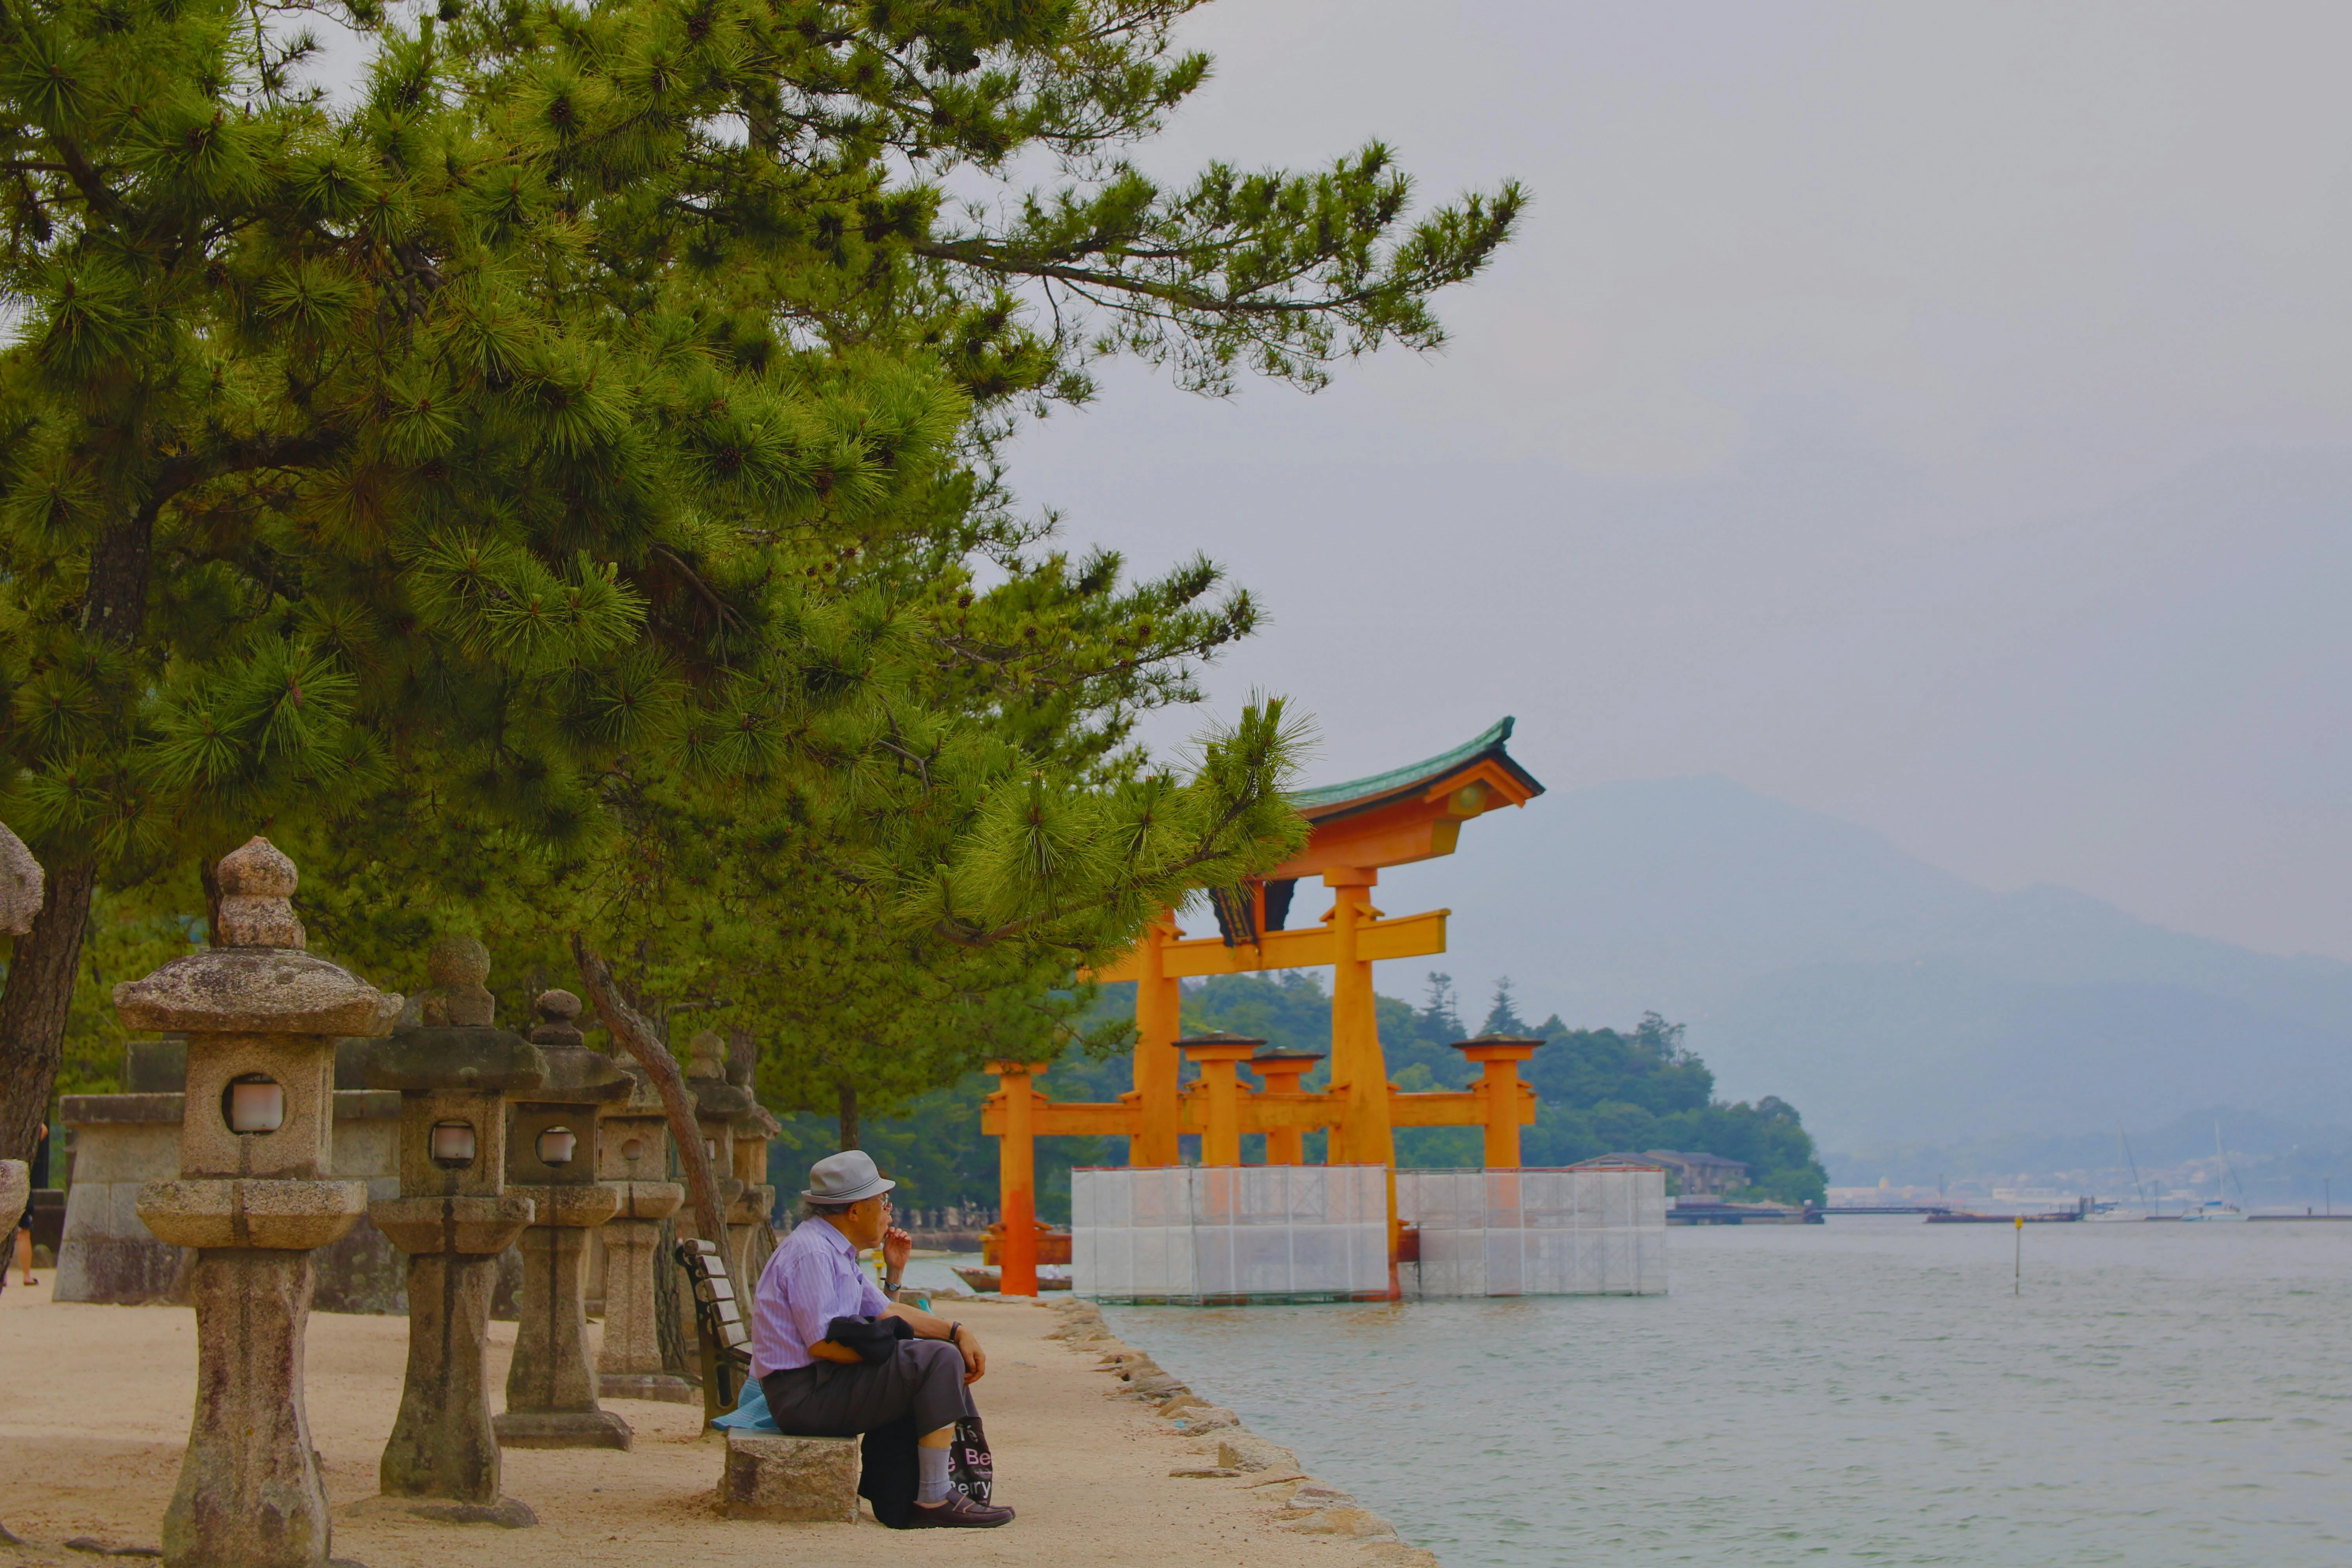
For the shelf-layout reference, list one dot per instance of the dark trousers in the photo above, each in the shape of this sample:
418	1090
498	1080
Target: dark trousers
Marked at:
923	1380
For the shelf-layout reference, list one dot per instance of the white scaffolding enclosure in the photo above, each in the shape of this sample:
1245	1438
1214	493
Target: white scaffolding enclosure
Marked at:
1225	1235
1228	1235
1535	1232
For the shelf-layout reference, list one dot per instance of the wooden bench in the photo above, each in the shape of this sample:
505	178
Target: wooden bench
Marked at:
718	1327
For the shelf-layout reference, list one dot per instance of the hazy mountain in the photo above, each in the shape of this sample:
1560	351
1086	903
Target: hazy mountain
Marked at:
1889	1000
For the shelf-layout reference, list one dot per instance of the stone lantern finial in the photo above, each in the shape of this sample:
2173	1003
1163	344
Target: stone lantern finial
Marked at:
257	889
710	1057
456	967
557	1012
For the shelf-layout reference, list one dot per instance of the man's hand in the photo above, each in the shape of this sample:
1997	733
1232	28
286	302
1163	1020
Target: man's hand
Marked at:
897	1248
975	1359
825	1350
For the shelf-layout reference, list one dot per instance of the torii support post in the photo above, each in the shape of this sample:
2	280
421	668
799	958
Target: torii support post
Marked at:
1360	1070
1501	1094
1159	1002
1282	1071
1358	1067
1016	1177
1219	1056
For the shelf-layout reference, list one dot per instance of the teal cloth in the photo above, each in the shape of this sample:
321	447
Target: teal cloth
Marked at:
751	1412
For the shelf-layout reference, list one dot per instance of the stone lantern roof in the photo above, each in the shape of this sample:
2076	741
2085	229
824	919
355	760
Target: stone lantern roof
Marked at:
256	979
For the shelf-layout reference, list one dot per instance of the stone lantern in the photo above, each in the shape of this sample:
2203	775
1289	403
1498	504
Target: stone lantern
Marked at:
254	1197
633	1158
552	1155
751	1216
718	1105
453	1217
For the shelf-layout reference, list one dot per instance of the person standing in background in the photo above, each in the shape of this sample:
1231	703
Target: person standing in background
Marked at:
25	1222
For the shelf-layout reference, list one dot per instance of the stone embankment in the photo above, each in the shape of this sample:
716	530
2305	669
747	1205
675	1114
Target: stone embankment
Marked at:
1230	1451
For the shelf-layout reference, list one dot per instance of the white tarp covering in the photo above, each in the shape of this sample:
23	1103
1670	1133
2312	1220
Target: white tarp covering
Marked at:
1535	1233
1206	1234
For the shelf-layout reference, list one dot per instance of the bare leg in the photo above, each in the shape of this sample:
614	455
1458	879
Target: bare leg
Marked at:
25	1260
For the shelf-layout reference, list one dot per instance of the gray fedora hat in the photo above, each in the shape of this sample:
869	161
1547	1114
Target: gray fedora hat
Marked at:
845	1178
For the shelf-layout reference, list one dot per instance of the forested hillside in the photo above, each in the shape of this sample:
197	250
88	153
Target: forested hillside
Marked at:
1602	1090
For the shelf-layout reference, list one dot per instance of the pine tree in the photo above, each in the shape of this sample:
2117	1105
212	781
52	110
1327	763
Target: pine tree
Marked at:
523	460
1503	1016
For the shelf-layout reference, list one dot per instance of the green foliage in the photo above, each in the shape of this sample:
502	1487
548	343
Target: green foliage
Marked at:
568	410
561	489
1607	1092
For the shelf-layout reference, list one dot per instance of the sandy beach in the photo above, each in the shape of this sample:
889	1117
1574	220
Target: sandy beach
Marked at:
98	1399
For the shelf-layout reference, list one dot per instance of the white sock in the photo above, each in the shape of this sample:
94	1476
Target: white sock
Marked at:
933	1464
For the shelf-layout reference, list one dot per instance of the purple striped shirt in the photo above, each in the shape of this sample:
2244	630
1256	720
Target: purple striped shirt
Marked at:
812	1278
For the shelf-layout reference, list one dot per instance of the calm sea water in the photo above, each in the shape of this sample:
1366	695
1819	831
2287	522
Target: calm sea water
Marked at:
1867	1391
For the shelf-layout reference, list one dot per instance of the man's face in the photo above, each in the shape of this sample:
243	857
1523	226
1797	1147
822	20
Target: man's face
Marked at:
866	1220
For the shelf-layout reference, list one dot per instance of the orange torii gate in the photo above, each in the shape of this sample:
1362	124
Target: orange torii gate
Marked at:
1409	813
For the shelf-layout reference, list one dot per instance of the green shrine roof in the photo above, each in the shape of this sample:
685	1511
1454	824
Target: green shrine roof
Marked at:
1333	800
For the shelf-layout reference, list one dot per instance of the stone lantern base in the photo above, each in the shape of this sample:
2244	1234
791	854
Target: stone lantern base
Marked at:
552	1388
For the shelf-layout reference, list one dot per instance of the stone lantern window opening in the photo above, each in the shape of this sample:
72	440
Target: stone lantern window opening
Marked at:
556	1144
710	1148
633	1149
453	1146
253	1102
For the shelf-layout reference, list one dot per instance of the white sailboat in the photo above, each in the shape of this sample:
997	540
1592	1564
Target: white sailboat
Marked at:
2215	1208
2112	1210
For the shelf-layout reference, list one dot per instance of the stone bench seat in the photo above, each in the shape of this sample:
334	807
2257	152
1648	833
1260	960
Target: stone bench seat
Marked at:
772	1477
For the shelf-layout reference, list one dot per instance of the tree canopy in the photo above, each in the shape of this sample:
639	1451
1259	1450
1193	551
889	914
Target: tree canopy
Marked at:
559	486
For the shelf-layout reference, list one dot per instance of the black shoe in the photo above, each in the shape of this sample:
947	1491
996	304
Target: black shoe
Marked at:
959	1512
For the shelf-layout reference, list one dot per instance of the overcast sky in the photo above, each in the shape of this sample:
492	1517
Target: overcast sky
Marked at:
1932	415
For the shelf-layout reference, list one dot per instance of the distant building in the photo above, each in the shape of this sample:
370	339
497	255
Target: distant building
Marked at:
1694	1175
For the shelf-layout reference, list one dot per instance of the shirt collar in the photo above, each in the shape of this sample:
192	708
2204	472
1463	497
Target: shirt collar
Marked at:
833	1237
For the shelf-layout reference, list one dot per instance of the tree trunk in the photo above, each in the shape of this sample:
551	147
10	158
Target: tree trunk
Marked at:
848	1102
38	993
211	876
630	1029
34	1005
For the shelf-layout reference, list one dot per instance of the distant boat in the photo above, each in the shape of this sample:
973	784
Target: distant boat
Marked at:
2214	1209
1969	1216
2139	1188
986	1281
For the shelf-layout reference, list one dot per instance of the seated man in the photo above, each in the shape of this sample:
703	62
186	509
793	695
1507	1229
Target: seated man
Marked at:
816	1388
